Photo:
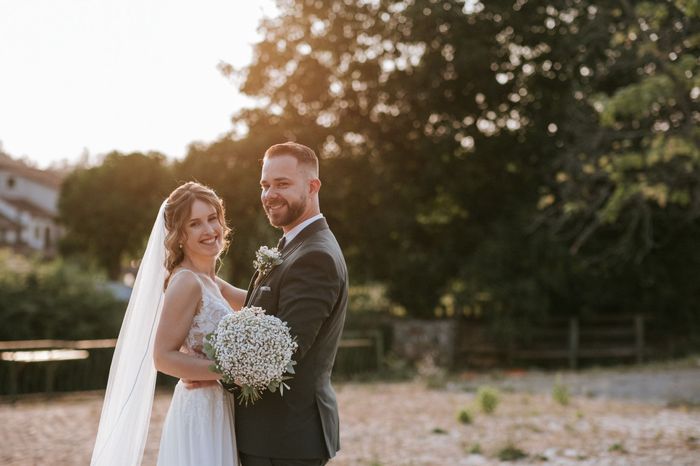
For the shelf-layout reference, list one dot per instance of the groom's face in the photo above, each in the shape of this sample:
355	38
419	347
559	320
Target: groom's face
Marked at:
284	190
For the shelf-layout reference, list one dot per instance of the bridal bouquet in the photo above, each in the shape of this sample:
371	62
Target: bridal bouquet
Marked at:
252	350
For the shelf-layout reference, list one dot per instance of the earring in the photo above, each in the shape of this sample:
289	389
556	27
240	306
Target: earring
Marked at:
180	245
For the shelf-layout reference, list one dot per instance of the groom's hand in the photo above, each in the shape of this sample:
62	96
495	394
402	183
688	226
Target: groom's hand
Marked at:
192	384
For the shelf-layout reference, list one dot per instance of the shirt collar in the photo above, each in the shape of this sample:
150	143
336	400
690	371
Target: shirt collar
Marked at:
291	234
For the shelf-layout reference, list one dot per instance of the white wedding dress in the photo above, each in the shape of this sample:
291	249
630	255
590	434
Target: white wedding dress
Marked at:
199	426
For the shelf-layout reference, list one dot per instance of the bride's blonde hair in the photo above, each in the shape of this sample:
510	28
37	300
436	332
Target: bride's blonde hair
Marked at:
177	213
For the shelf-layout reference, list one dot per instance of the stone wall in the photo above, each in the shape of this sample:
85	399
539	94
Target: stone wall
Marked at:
415	339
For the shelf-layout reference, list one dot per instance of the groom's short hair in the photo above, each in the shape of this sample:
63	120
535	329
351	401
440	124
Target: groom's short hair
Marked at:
305	156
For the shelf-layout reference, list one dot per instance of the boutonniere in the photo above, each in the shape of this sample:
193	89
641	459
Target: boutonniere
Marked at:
266	259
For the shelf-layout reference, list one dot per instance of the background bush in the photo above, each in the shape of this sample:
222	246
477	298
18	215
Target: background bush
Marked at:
55	300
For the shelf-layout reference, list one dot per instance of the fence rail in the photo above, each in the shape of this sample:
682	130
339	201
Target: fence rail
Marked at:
48	344
45	366
570	341
593	338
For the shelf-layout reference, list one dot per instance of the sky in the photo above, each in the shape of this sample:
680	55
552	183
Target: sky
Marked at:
126	75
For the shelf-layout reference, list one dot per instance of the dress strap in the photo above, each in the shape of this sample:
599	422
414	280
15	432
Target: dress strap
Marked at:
187	270
206	291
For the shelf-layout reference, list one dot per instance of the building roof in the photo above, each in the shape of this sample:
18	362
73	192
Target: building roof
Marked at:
48	178
25	205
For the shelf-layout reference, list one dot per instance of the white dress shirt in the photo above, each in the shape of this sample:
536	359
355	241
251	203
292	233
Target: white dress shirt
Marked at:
291	234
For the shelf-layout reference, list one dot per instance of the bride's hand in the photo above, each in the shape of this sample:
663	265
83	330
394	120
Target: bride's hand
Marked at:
192	384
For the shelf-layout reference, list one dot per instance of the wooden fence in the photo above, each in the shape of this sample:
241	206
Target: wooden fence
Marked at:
560	341
45	366
575	340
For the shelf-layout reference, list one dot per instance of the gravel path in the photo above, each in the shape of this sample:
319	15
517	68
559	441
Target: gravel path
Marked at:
407	424
670	384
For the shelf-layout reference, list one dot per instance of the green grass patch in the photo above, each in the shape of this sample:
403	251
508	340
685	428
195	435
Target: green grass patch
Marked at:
511	453
560	392
617	447
474	449
488	398
464	416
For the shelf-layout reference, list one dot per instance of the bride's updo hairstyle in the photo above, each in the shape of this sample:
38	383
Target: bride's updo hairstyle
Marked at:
177	213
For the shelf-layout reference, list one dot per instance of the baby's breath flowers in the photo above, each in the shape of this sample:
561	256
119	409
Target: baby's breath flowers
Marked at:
252	350
266	258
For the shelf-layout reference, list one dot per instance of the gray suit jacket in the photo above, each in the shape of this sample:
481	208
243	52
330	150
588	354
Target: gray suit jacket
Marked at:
309	291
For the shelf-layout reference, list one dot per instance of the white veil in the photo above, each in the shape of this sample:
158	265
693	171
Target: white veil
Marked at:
126	412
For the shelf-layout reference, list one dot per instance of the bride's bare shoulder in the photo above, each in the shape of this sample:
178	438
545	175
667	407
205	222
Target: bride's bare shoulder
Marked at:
182	280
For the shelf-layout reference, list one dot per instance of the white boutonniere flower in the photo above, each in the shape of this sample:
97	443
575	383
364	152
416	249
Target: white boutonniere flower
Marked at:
266	259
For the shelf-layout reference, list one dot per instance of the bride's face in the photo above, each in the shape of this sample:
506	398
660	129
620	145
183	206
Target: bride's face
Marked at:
204	234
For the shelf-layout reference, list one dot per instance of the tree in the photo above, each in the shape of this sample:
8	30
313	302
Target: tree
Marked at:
472	124
425	114
631	164
108	210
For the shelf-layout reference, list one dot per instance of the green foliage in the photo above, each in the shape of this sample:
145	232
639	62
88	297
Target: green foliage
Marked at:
480	147
560	392
465	416
689	7
617	447
475	449
634	167
108	210
397	368
54	300
511	453
516	158
636	100
488	398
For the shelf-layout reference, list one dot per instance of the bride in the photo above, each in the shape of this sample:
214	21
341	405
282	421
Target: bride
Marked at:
176	301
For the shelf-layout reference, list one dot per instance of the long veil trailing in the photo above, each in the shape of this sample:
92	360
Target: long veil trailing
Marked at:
126	412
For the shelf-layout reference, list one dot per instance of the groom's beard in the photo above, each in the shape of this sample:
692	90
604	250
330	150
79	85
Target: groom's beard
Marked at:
294	211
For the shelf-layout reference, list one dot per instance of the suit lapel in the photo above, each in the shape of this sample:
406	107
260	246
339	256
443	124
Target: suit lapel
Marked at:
251	287
314	227
293	245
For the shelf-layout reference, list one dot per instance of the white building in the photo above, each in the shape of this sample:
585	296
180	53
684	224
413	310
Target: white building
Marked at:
28	207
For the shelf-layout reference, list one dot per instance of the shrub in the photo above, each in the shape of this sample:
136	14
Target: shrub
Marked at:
511	453
57	299
464	416
617	447
487	399
560	392
475	449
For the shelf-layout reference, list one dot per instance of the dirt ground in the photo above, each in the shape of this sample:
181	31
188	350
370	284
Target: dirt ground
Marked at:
406	423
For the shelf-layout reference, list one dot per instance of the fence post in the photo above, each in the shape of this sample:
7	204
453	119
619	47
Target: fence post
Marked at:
573	342
50	376
639	337
13	380
379	342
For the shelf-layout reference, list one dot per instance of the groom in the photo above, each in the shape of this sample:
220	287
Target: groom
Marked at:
309	291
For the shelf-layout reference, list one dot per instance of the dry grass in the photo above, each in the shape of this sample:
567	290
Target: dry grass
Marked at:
406	424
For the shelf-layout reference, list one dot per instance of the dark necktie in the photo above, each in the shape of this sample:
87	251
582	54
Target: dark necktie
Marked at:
281	243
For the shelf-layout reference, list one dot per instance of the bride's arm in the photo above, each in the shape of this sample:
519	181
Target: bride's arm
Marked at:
234	296
181	300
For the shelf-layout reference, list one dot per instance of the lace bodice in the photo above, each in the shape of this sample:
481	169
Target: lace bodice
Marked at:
213	307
